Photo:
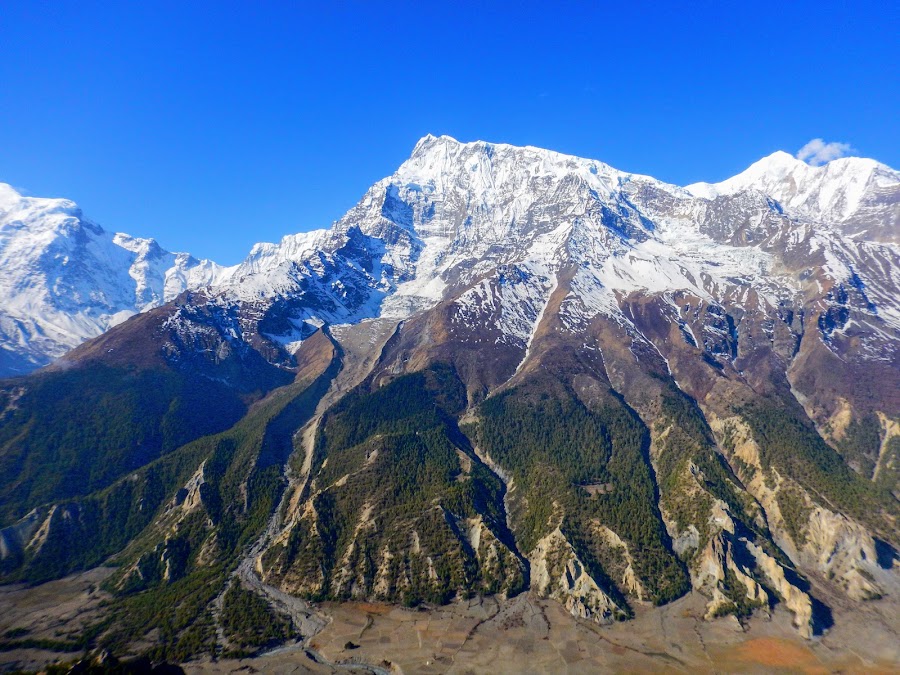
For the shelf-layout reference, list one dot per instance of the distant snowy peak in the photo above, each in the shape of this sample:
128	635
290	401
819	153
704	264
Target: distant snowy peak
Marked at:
860	193
64	279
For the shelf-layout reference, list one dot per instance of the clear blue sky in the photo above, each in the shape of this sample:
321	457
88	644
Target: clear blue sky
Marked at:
211	126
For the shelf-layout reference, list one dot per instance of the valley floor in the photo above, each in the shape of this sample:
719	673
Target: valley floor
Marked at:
530	635
522	635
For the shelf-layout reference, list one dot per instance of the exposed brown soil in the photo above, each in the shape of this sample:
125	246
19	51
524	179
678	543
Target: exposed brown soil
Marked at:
530	635
523	635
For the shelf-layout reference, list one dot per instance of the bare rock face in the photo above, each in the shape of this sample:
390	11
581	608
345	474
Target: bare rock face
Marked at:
823	542
558	573
794	598
190	497
295	580
846	553
629	581
715	570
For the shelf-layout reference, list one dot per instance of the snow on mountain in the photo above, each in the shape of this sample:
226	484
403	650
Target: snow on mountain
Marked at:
495	226
455	213
858	193
63	279
450	214
477	224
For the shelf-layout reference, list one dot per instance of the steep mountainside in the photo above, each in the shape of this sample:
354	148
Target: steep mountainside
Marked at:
504	369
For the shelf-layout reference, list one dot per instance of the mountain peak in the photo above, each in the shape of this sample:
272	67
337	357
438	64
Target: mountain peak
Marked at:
781	162
778	160
567	315
429	142
833	192
8	196
481	160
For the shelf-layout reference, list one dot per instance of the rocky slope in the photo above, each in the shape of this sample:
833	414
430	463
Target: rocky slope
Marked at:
507	368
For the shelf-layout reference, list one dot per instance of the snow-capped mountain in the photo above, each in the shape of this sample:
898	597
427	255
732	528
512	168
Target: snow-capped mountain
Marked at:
500	240
504	368
63	279
484	224
858	195
447	218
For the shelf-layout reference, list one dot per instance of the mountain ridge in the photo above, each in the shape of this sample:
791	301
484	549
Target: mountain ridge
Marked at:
181	272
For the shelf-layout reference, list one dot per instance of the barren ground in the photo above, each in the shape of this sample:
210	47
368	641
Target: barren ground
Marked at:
522	635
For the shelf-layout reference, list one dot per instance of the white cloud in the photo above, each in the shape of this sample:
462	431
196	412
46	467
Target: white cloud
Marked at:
817	152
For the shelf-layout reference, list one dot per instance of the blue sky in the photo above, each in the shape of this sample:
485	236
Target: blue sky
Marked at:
211	126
